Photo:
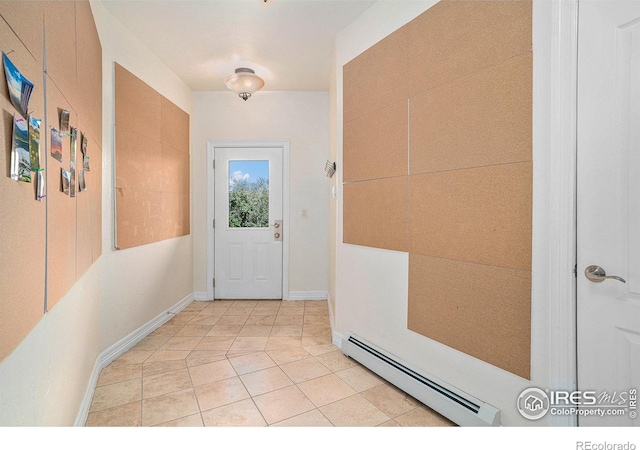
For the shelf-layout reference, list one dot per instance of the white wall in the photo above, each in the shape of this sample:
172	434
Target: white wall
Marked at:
45	378
302	118
372	284
140	282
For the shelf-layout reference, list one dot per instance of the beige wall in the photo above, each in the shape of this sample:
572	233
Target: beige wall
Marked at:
302	118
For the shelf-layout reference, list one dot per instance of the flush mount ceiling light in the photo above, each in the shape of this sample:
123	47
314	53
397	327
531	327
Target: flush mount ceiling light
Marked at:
244	82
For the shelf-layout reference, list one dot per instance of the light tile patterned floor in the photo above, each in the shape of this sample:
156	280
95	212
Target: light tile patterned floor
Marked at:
248	363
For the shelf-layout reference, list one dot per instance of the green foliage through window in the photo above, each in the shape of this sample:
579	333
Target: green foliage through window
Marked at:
249	203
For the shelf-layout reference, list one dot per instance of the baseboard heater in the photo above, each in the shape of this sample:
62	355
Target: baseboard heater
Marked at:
455	405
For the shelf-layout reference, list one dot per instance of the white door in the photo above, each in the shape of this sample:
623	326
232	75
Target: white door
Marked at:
608	205
248	223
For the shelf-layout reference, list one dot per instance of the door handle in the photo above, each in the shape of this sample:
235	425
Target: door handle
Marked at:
596	274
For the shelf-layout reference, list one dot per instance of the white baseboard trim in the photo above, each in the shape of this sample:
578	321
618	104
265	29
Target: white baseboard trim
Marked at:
201	296
308	295
119	348
336	338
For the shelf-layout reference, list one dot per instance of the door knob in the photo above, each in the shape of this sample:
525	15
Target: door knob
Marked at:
597	274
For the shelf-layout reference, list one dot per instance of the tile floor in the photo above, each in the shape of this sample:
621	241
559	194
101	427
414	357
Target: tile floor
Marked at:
248	363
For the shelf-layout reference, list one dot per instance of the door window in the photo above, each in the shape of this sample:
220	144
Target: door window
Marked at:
248	194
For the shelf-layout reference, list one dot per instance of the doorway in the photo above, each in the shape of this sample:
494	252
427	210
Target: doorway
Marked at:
247	211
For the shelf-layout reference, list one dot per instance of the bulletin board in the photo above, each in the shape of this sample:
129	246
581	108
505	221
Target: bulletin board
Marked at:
457	120
48	243
152	164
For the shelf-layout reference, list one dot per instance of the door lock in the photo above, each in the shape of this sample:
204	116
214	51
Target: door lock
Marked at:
278	234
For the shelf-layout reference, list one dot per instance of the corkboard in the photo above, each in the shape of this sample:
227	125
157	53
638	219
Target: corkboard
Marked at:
60	47
60	235
454	39
26	19
89	76
377	77
152	164
61	216
376	213
22	239
480	215
481	310
494	105
375	144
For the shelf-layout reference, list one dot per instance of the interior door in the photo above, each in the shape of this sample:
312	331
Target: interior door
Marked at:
248	223
608	211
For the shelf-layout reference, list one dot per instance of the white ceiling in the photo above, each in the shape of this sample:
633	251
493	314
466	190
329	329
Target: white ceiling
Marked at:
289	43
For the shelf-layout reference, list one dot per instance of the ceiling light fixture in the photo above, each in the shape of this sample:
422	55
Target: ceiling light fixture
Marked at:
244	82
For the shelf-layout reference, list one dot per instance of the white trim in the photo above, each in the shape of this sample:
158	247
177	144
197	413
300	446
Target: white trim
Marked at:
555	51
202	296
211	145
336	338
119	348
308	295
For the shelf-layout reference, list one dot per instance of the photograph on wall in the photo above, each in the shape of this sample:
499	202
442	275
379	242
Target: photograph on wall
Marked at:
19	87
41	188
82	186
66	180
56	144
20	159
34	143
85	157
64	121
72	165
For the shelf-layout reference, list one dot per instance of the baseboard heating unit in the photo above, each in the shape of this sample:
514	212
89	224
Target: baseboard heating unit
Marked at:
455	405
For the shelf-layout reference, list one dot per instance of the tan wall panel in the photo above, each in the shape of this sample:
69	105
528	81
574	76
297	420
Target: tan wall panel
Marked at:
60	36
22	222
480	310
94	187
139	217
174	170
61	227
175	126
84	238
476	121
458	38
377	77
176	215
375	213
89	62
138	161
152	164
138	106
26	19
480	215
375	144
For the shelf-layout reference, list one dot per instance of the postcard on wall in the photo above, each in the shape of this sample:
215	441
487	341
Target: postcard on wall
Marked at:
82	186
85	157
72	165
41	187
20	159
34	143
66	180
56	144
64	121
19	87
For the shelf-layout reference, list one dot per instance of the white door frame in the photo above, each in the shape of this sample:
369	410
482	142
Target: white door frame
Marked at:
211	146
555	54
